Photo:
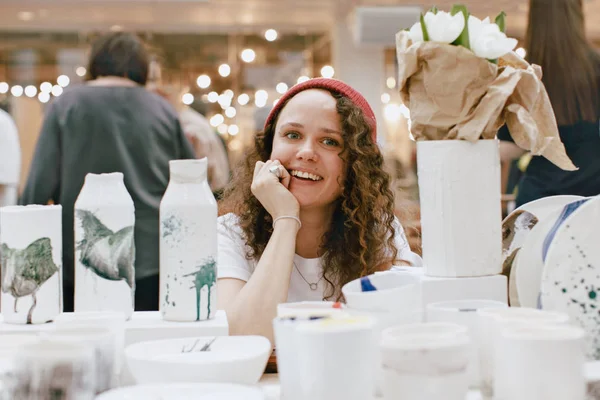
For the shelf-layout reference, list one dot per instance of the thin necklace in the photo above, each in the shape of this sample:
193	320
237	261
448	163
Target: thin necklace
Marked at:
312	286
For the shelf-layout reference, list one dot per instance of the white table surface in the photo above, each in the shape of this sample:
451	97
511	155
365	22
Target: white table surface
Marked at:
270	386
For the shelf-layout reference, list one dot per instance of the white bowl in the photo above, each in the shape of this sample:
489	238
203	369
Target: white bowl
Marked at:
230	359
396	291
185	391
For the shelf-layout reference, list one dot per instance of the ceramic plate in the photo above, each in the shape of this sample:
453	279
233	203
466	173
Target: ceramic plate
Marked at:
546	205
516	228
529	265
571	276
185	391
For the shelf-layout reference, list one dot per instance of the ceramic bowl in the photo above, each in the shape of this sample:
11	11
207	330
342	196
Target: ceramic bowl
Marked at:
395	291
183	391
230	359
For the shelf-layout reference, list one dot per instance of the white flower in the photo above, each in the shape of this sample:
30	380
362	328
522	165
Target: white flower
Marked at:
486	39
443	27
416	33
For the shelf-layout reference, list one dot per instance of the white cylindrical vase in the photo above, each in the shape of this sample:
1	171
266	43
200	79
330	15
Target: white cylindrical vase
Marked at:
461	218
104	245
188	244
31	259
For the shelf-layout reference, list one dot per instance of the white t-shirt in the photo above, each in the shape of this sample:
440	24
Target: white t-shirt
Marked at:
232	262
10	160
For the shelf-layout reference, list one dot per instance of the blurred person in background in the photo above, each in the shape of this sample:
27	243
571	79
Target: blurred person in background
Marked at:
110	124
556	41
204	139
10	160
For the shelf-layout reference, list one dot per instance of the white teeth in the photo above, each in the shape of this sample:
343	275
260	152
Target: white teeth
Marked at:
305	175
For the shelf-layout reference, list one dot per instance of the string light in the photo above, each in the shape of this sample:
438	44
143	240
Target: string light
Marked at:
385	98
216	120
57	90
248	55
16	90
233	130
3	87
46	87
30	91
281	87
327	71
80	71
224	70
271	35
230	112
213	97
243	99
63	80
44	97
203	81
187	99
303	78
391	82
521	52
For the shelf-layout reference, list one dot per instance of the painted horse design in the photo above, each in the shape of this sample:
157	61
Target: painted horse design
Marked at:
110	255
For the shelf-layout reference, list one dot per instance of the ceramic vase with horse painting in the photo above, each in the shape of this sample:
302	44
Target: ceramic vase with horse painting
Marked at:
188	244
104	245
31	259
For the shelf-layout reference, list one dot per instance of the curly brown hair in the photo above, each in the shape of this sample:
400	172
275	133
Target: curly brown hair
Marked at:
360	239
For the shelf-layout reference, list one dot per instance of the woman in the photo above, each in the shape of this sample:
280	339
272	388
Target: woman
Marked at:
571	69
309	211
110	124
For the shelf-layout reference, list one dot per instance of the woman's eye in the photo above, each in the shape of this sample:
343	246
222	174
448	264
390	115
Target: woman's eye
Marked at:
331	142
292	135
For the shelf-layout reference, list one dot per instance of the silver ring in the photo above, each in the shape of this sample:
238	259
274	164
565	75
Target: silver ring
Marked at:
275	170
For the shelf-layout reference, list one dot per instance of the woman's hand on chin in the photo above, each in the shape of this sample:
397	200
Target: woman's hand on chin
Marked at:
272	191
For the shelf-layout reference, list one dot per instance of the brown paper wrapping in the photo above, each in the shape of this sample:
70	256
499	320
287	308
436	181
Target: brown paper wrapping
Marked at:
453	94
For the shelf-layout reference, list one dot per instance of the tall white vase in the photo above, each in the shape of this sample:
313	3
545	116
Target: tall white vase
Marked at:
31	258
104	245
461	217
188	244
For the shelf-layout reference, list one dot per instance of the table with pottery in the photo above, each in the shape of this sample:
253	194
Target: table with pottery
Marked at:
424	333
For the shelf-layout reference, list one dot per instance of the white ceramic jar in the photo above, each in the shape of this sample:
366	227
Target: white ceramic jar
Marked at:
104	245
188	244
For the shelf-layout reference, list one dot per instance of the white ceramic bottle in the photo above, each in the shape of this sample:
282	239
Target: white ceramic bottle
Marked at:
188	244
31	259
104	245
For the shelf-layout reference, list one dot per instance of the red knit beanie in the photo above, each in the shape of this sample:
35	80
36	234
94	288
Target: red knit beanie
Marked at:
333	85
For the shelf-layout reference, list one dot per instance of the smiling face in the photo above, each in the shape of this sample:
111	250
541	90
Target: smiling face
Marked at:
308	142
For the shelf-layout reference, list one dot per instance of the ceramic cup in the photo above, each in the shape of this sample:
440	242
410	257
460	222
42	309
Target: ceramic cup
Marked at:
540	362
426	361
492	321
394	291
10	345
464	312
51	369
113	320
290	316
335	358
102	342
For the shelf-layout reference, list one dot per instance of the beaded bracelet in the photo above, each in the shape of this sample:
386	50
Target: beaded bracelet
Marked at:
288	217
